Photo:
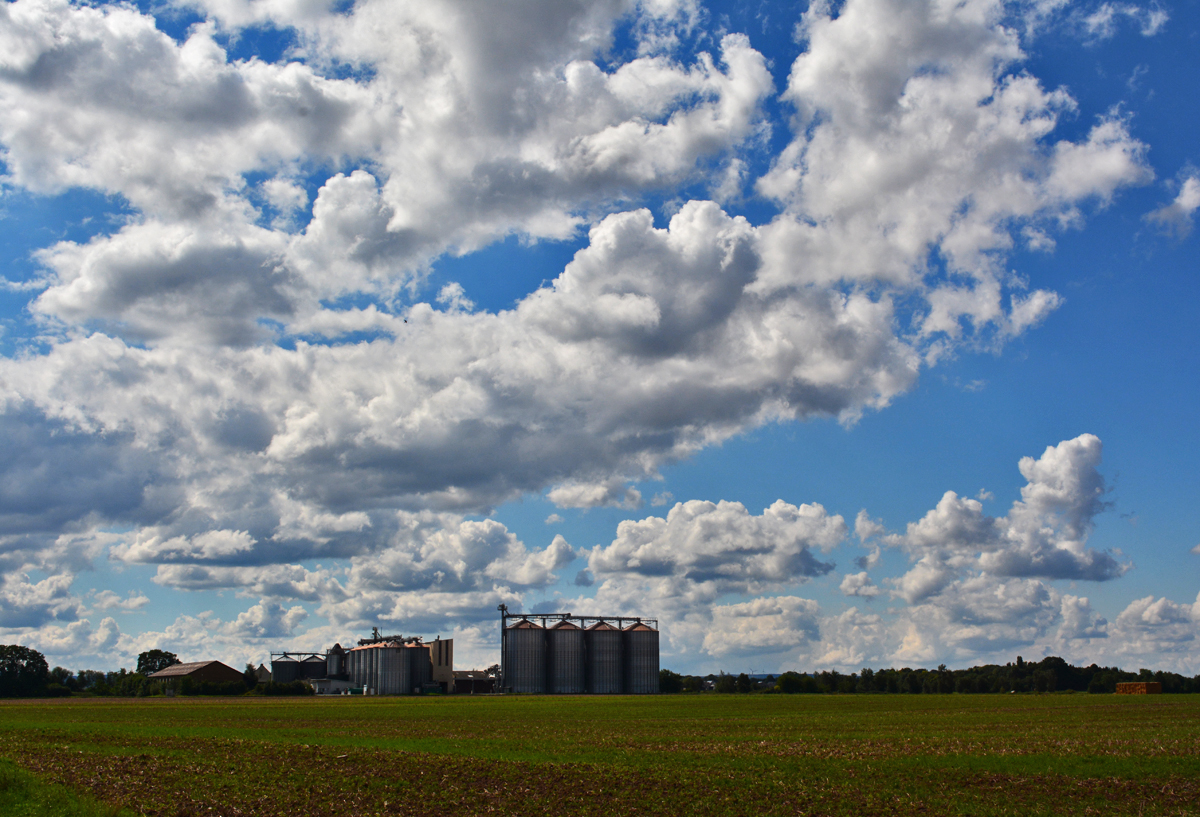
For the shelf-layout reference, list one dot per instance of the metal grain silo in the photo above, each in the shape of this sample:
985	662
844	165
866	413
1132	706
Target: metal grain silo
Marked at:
641	659
564	652
284	670
525	657
371	672
336	661
313	667
393	669
354	666
420	668
605	669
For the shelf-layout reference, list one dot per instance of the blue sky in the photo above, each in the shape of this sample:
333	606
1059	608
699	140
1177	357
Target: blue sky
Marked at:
325	317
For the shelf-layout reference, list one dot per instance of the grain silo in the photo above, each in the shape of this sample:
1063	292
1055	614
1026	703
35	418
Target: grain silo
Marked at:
641	659
605	667
284	669
314	666
570	654
336	661
420	668
564	652
524	654
395	672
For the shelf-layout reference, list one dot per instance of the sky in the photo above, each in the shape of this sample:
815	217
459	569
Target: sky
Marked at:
832	336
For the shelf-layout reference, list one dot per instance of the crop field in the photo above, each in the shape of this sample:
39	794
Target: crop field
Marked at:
669	755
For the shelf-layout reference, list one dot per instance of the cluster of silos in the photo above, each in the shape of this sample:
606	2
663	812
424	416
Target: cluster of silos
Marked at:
389	668
286	667
564	658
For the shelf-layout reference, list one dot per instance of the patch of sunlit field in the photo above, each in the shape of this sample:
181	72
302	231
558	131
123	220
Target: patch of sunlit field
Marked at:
678	754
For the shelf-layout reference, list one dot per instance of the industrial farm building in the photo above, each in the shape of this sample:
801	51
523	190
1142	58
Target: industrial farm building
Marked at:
554	653
380	665
565	654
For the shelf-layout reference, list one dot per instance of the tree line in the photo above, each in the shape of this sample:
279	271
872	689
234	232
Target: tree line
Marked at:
1051	674
24	673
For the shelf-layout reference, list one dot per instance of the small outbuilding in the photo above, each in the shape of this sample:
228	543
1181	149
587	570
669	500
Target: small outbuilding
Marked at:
211	671
470	681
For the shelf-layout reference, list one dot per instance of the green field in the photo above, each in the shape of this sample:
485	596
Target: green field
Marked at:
681	754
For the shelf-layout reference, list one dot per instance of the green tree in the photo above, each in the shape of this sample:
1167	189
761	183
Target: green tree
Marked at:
726	683
23	672
669	682
743	683
152	661
790	683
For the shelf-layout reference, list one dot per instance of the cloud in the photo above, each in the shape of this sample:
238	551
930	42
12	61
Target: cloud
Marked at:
1176	217
78	640
1150	626
1043	535
724	545
268	620
1101	24
25	603
762	626
858	584
594	495
108	600
243	378
1078	620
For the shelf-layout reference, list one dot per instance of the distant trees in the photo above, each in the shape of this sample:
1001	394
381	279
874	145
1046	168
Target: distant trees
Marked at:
152	661
1051	674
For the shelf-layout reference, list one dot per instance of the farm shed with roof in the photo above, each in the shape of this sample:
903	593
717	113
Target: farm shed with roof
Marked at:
211	671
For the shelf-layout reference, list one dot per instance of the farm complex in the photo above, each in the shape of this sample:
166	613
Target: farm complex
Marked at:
556	653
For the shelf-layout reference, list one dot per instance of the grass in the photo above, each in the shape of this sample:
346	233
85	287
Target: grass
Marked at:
23	795
710	754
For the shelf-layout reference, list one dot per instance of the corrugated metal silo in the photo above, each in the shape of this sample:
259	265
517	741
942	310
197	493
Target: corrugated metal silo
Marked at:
641	659
354	666
564	651
285	670
605	669
525	657
394	670
419	666
336	661
313	667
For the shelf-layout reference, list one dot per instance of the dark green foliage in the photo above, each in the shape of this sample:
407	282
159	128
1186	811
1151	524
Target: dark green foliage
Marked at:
152	661
276	689
1051	674
725	684
669	682
23	672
